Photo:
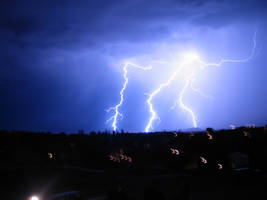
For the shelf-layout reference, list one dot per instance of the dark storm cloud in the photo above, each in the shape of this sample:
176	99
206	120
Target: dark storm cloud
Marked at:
231	12
87	23
45	43
59	23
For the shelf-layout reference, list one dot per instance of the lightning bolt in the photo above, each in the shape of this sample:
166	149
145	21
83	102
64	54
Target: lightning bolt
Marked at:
115	108
153	94
153	113
188	59
219	64
222	61
181	103
149	102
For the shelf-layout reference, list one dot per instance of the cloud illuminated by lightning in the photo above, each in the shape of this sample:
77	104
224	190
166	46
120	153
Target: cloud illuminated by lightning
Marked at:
115	108
199	91
188	59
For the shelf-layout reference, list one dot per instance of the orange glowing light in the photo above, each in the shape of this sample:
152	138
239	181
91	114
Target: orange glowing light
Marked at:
210	136
50	155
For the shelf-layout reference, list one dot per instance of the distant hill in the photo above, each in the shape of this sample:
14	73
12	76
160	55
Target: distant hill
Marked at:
191	130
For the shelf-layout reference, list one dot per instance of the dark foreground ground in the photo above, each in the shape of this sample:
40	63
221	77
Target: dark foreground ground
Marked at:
22	183
225	164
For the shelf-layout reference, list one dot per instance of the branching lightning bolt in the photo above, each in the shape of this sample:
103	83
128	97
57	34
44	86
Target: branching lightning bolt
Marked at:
153	94
221	62
189	81
188	59
163	85
181	103
151	109
115	108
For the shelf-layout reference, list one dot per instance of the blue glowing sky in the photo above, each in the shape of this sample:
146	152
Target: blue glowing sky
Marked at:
61	63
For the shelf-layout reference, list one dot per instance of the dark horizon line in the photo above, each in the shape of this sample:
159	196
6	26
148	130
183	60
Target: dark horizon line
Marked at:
186	131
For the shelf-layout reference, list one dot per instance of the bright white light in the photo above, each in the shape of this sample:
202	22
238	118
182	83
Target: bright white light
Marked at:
35	198
191	56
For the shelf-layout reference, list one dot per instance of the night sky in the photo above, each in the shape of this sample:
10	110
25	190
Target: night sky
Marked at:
61	63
